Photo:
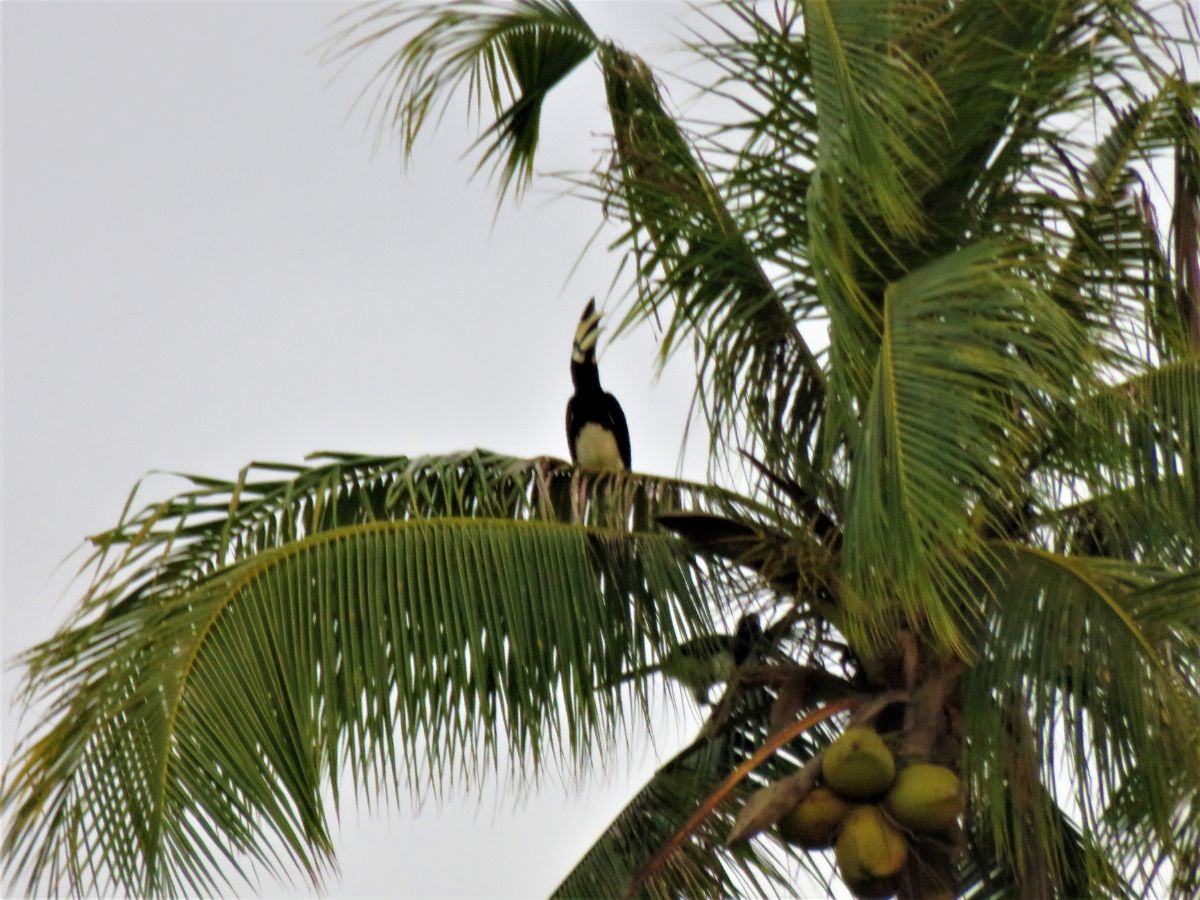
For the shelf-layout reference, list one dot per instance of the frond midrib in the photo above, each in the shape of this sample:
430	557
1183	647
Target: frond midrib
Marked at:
1068	566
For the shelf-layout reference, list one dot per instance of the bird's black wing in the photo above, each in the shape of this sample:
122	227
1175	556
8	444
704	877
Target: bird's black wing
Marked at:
613	418
705	646
573	427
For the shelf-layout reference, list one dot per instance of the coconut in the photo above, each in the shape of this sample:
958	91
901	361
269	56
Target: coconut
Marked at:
814	823
874	888
858	765
925	797
869	848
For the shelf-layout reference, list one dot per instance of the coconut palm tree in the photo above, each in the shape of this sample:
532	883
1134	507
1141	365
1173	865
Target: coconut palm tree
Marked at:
938	266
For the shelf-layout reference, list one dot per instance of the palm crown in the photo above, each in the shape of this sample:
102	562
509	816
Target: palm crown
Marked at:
969	514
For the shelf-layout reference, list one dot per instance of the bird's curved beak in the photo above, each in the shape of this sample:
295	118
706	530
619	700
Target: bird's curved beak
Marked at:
587	332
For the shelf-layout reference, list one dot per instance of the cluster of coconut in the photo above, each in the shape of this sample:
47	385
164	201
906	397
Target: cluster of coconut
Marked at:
864	807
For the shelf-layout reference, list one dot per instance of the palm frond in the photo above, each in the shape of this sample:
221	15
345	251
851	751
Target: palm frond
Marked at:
1000	864
704	866
875	105
1134	524
763	158
692	258
1001	93
1037	78
1160	863
1114	270
1103	657
509	57
793	565
243	642
970	352
1185	215
1131	451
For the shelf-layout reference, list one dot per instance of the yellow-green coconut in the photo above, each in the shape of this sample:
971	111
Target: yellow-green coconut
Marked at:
858	765
814	823
869	847
925	797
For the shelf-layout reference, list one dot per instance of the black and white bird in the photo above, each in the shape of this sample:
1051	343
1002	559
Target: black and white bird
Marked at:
707	660
597	435
700	663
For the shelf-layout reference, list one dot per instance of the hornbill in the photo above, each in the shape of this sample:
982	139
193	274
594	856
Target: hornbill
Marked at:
597	435
700	663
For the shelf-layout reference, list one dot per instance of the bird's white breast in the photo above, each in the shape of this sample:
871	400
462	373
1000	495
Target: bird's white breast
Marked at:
596	448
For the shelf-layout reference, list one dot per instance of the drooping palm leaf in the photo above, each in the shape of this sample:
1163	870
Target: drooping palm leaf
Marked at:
1000	865
970	349
1114	270
875	105
244	641
1103	655
1159	863
692	259
1151	848
509	58
664	804
1129	458
1185	217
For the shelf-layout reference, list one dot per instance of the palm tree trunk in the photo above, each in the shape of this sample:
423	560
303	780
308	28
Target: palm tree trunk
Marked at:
930	733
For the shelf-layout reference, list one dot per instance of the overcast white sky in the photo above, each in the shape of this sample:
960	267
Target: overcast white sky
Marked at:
204	265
